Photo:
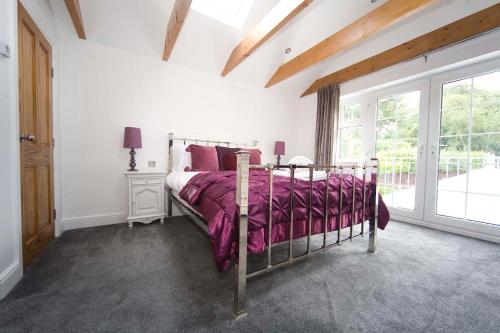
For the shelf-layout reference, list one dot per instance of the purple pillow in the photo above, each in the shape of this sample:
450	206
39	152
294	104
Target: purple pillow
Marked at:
203	158
254	155
230	162
221	154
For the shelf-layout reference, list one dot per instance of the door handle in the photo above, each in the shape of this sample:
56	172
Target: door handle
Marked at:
433	151
30	138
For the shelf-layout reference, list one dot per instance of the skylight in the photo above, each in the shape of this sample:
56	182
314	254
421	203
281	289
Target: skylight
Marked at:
277	14
231	12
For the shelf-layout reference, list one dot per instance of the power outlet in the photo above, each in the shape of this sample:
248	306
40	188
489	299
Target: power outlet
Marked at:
152	164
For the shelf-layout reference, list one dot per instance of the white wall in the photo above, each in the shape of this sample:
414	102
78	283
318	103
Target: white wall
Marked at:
10	221
104	89
305	125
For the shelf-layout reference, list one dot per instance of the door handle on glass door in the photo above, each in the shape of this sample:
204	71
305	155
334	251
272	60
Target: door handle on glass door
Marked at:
433	151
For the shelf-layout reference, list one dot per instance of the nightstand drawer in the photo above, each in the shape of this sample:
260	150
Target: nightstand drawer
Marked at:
148	181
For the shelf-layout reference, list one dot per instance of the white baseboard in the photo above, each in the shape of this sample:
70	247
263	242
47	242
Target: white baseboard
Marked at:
451	229
93	220
9	278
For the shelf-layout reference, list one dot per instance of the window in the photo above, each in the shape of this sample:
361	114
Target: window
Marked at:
350	133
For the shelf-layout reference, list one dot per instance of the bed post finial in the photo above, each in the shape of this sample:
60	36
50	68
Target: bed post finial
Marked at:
240	279
372	240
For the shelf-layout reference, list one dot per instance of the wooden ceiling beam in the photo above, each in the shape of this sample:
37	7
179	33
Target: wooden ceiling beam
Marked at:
261	34
375	21
179	13
466	28
76	16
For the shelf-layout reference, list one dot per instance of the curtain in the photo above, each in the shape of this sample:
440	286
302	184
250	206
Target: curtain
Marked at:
327	120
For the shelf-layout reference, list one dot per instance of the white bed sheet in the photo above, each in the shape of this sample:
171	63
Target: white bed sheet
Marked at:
176	180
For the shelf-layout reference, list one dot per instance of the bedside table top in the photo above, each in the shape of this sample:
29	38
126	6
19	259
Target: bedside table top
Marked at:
144	173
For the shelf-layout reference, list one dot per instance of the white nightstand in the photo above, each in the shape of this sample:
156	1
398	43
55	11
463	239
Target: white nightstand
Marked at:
145	197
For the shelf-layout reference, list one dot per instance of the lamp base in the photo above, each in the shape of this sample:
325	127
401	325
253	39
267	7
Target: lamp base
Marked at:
278	159
132	160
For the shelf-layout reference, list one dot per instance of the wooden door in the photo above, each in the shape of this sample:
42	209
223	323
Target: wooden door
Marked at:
35	122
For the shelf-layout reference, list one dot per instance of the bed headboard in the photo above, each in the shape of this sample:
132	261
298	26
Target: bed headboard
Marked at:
172	139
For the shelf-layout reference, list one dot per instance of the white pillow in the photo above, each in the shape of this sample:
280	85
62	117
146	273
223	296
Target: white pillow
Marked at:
180	157
300	160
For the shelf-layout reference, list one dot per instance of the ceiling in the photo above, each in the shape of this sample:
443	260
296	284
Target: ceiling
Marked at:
139	26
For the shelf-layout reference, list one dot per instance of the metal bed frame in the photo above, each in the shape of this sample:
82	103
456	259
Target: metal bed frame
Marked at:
242	174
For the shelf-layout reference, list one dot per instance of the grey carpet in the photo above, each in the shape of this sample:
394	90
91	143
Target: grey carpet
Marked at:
162	278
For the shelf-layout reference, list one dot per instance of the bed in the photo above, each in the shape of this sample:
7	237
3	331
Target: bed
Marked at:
255	207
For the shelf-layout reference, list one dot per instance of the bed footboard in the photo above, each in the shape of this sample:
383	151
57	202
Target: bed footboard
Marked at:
242	180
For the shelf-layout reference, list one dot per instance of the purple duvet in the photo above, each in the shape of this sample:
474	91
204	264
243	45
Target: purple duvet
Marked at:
212	194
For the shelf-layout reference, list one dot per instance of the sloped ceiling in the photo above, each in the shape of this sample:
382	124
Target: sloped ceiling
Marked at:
139	26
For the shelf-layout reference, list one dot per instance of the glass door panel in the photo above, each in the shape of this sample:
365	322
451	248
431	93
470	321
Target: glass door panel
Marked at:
468	182
452	176
397	141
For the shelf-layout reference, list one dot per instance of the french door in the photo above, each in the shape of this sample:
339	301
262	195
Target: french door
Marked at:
438	145
463	184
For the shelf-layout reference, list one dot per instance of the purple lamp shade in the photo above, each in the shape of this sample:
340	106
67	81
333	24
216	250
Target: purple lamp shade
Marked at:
132	138
279	148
